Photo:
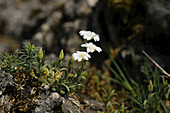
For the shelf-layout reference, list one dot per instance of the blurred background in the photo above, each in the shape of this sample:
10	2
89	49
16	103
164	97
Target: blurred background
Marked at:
55	25
125	27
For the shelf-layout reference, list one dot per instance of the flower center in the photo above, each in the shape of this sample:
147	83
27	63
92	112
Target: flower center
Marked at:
91	47
81	55
89	34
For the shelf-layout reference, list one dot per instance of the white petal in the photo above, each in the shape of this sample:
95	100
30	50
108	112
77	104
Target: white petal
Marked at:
90	43
82	32
84	45
74	55
88	55
79	59
96	38
86	58
78	52
93	33
98	49
88	50
87	37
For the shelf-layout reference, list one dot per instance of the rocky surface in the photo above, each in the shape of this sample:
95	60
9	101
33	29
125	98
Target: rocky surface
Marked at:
53	24
7	85
160	11
47	102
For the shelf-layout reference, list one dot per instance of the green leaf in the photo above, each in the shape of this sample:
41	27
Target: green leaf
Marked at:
76	85
42	80
62	91
111	94
136	101
51	81
68	89
54	89
164	106
42	69
71	63
43	84
82	77
108	104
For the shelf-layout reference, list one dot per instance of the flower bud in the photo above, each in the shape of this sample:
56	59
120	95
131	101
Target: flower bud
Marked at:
150	87
61	56
41	53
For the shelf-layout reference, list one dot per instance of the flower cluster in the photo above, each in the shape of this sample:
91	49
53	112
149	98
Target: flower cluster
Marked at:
90	47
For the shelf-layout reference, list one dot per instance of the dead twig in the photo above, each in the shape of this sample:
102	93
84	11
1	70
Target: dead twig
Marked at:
163	71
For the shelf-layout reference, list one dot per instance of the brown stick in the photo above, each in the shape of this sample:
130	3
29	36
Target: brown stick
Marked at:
163	71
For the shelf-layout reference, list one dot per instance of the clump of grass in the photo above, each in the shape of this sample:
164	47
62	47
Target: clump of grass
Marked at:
146	95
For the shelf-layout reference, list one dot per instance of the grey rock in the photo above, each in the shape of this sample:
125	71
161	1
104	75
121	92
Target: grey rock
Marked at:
46	35
53	23
160	11
6	103
73	43
70	105
82	8
50	58
41	38
47	103
26	16
54	19
92	3
94	106
6	86
19	16
49	39
6	82
71	38
38	39
69	9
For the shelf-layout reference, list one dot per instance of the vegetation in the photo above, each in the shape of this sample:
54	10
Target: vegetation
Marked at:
33	76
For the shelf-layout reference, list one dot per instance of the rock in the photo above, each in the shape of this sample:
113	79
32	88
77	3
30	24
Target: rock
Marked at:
92	3
71	38
82	8
160	11
48	103
48	40
69	9
94	106
38	39
7	84
54	102
53	23
70	105
19	16
26	16
54	19
6	103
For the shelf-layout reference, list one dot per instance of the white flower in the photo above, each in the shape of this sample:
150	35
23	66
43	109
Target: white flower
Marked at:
88	35
91	47
79	55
